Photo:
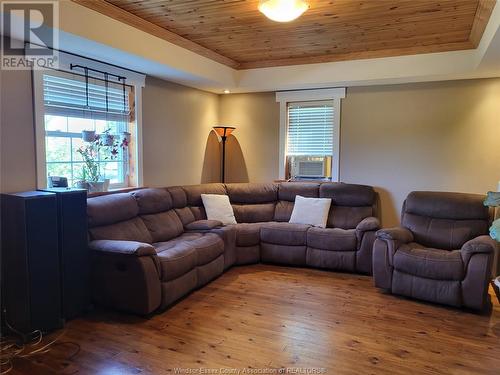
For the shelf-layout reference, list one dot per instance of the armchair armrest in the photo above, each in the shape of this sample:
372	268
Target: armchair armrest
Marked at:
479	245
368	223
399	234
203	225
123	247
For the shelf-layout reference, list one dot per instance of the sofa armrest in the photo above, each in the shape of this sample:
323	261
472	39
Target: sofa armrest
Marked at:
399	234
203	225
479	245
122	247
368	223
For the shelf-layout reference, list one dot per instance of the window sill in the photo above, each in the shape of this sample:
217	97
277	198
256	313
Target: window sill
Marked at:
114	191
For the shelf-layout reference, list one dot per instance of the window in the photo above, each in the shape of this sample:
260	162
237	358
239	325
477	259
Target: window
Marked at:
309	140
310	134
66	105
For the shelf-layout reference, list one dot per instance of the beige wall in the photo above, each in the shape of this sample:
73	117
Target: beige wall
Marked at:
428	136
434	136
178	147
398	138
17	139
253	151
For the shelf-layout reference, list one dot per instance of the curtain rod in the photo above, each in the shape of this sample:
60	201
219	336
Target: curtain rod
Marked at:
88	58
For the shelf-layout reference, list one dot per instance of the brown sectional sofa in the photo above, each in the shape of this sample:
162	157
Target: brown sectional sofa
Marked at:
152	246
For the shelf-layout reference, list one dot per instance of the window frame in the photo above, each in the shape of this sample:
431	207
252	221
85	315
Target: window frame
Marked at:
137	80
320	95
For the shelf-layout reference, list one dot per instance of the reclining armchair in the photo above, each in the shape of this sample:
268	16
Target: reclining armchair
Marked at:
441	253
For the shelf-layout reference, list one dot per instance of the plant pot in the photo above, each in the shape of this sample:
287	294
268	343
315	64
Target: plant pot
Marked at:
82	185
88	135
94	186
99	186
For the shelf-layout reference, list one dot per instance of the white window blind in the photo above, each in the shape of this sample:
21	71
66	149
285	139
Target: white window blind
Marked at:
310	129
68	97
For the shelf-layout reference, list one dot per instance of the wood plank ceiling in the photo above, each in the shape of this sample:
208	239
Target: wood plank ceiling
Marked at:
235	33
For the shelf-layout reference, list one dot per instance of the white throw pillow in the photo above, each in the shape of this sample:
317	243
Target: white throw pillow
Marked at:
219	208
312	211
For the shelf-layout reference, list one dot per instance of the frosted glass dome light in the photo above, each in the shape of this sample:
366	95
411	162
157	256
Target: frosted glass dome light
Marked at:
283	10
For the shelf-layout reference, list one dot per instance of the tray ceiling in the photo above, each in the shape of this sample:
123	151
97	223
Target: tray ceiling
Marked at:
235	33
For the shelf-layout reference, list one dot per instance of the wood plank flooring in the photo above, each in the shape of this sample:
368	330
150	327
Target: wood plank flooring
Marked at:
260	319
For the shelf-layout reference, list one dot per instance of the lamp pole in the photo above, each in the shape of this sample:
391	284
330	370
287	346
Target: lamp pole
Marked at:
223	132
223	174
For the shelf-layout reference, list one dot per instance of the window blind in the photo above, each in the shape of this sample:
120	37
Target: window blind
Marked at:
310	129
68	97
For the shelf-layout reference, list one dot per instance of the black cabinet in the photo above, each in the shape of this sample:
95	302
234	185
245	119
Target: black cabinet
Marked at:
73	250
31	282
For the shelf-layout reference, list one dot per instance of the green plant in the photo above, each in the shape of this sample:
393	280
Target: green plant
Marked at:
104	144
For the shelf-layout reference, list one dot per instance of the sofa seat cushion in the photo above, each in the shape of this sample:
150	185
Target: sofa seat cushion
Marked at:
208	247
187	236
333	239
176	259
284	233
437	264
248	234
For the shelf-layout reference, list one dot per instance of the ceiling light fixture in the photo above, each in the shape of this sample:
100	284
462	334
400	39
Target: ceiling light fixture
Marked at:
226	91
283	10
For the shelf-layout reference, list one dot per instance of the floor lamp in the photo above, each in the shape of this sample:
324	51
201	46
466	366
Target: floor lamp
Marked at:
223	132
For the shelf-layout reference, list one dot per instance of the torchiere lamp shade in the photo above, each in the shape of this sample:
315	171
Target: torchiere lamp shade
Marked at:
223	132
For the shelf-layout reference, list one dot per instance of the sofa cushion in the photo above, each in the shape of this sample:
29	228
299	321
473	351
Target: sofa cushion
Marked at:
151	201
110	209
163	226
288	190
283	211
128	230
334	239
347	217
351	195
284	233
248	234
252	193
443	233
176	259
446	205
430	263
312	211
218	208
203	225
193	192
208	247
253	213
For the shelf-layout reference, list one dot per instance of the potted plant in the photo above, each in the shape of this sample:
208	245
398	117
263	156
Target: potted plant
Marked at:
493	200
102	144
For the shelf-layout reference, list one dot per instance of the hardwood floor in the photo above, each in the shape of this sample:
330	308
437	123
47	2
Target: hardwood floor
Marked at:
266	317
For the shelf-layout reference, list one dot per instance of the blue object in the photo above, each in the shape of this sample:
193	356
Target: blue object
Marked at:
495	230
492	199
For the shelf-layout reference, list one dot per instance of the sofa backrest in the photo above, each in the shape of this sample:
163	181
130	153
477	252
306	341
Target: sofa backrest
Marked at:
253	202
115	217
156	211
286	197
445	220
187	201
350	203
160	214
